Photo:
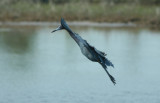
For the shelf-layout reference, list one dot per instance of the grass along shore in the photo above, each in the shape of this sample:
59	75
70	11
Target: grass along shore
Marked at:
140	14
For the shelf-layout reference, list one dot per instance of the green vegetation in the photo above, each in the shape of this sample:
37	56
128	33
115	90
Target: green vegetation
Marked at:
91	10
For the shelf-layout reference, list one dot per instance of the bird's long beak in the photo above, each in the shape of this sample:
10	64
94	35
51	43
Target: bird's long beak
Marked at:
59	28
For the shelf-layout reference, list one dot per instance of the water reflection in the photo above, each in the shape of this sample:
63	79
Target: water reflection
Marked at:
37	66
17	41
15	47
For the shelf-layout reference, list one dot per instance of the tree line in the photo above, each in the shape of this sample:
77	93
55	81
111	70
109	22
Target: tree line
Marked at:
143	2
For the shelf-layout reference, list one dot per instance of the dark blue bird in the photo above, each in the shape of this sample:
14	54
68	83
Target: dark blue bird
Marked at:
87	50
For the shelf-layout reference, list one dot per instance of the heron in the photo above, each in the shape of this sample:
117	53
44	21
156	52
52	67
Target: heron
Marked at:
88	50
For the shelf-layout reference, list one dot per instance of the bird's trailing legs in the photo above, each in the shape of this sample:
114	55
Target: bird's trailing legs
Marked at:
110	76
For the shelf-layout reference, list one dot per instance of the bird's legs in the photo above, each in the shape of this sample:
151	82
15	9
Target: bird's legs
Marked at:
110	76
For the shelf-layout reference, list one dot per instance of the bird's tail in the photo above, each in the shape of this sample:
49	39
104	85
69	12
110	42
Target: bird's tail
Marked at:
110	76
108	63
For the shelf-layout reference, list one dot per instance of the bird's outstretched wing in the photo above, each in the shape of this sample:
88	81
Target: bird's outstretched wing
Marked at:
103	61
101	56
98	51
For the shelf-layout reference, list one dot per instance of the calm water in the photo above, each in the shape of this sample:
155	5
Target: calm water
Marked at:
39	67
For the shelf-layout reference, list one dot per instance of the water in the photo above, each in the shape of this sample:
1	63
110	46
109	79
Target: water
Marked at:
39	67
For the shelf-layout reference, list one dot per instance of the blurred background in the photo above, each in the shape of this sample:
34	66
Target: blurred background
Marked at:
139	11
37	66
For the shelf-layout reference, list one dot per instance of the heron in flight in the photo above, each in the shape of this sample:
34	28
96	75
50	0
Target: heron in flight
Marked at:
87	50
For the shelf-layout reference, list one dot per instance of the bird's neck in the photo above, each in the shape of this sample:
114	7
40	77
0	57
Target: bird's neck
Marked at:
74	36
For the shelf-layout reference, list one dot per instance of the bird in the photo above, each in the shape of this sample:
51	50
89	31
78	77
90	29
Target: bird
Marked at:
88	50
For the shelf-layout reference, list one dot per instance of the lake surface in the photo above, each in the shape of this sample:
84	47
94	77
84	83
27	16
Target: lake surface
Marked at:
39	67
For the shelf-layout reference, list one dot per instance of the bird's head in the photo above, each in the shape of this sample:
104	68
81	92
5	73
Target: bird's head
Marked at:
63	26
59	28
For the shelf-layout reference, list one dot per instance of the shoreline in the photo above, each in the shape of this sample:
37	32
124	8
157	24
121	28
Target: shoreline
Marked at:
71	23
